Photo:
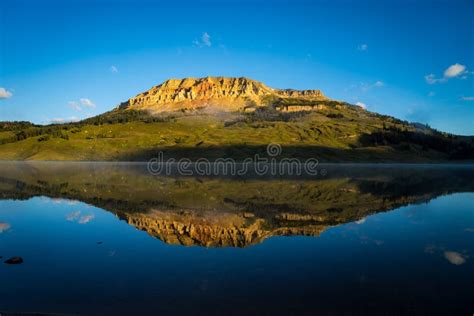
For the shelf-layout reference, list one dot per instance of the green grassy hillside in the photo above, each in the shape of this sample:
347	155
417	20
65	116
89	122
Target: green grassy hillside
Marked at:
337	132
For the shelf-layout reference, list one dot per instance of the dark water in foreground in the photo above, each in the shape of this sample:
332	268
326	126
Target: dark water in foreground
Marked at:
111	239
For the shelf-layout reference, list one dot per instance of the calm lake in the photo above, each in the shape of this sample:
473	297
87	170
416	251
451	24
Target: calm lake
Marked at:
111	238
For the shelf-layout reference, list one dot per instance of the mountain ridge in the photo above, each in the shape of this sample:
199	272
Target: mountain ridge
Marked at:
223	93
216	117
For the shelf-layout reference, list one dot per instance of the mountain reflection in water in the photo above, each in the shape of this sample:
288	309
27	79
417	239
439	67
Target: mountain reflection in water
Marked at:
234	211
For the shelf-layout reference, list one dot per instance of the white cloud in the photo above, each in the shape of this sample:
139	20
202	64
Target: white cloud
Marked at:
205	40
364	86
86	219
467	98
431	94
60	120
76	217
431	79
83	102
73	216
363	47
57	120
454	70
362	105
454	257
113	69
362	220
87	102
5	94
74	105
378	83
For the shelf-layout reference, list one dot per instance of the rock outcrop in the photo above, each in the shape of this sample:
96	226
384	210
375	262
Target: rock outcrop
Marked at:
222	93
218	229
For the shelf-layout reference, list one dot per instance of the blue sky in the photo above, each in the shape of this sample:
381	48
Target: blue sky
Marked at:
62	60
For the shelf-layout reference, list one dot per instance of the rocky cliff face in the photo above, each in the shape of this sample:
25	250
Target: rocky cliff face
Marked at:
228	94
306	94
219	229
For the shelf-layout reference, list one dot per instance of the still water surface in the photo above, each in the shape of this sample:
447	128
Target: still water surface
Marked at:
112	239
